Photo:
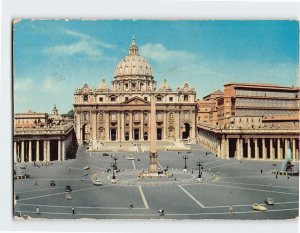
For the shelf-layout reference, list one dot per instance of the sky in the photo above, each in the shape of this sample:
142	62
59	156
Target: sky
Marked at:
51	58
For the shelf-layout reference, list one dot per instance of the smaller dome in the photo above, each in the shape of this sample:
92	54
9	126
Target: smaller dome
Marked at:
165	86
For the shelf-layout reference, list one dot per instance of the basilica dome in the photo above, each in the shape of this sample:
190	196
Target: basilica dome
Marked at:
133	64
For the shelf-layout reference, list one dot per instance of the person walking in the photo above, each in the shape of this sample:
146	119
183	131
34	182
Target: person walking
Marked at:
131	205
37	210
73	210
231	209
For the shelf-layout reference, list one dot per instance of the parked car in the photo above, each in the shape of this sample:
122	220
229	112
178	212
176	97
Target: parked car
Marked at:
269	201
52	183
23	166
258	207
68	188
86	168
105	154
68	196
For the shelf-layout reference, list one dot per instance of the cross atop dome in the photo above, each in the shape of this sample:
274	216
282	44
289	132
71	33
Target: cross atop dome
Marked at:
133	49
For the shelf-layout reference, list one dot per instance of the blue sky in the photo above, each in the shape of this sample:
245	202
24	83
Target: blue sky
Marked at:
54	57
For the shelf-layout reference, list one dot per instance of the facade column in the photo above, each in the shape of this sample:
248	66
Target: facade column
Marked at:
122	126
22	152
78	127
37	150
222	149
279	155
94	114
293	149
63	151
45	151
271	149
107	126
48	151
15	153
256	148
29	152
264	151
130	126
248	148
59	150
177	125
165	125
142	126
119	126
297	150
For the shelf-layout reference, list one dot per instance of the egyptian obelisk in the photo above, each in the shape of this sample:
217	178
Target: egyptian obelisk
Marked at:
153	151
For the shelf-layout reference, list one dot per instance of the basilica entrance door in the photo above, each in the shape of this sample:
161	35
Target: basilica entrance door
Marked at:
136	133
113	134
186	133
159	134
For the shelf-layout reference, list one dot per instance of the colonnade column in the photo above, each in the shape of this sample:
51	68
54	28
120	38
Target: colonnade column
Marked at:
227	148
15	152
279	154
271	149
22	152
45	151
48	151
130	126
142	126
241	148
286	145
37	150
264	151
248	148
59	150
256	148
63	151
30	152
293	149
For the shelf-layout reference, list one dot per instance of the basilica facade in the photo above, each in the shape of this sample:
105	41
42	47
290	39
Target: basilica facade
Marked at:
121	112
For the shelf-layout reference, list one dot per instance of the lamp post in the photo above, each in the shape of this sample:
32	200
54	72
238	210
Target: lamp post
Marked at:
114	166
185	157
200	167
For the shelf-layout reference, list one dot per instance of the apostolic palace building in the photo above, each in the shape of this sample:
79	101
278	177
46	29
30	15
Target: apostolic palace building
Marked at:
120	113
250	121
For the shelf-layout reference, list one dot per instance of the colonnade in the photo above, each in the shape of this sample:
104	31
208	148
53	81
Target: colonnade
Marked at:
247	147
39	150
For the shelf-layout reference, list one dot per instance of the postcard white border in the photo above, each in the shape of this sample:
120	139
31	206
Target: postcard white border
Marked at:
120	9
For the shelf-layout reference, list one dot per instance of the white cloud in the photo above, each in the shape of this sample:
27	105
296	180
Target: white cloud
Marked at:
86	45
23	84
159	53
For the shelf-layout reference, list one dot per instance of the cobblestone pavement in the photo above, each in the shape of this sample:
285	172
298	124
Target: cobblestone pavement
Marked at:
224	185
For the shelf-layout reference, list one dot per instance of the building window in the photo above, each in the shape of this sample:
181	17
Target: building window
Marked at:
158	98
126	85
126	98
85	97
171	99
185	97
101	99
113	99
146	98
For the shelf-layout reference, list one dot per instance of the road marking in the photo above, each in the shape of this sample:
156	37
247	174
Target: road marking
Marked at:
143	197
252	189
77	207
225	206
53	194
263	185
225	165
167	214
190	195
133	164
